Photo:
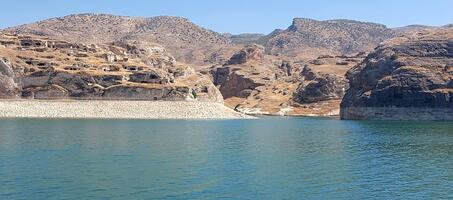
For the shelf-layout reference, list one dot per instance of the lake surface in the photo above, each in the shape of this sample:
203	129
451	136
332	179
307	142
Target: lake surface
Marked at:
269	158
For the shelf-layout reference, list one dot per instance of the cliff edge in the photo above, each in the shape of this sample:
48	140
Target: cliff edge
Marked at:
406	78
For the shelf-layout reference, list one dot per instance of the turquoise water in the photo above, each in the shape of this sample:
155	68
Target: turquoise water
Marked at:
270	158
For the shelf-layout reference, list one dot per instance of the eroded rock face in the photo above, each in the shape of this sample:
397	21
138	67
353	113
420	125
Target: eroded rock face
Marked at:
207	92
44	68
233	84
408	73
150	76
319	87
250	52
244	72
8	87
280	85
122	92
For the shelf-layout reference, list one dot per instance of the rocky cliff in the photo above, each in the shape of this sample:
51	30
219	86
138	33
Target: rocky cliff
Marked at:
8	87
44	68
256	83
297	71
316	87
409	77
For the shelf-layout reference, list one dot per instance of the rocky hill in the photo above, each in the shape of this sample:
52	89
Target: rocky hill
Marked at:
43	68
308	37
255	83
188	42
193	44
297	71
409	77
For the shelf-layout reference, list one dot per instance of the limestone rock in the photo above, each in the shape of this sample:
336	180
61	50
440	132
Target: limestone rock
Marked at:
123	92
5	68
8	87
251	52
149	76
57	71
407	72
232	83
319	87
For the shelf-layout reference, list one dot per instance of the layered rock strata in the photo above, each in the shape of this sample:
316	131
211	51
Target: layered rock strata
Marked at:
407	78
42	68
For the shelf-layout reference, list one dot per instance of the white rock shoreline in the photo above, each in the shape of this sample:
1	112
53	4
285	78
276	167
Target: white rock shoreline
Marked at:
100	109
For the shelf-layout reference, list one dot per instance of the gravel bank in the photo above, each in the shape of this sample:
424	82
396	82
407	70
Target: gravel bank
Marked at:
116	109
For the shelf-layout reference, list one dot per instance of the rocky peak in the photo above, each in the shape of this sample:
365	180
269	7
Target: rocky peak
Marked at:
300	23
306	36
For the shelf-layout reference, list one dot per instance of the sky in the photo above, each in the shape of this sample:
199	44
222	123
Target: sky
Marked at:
239	16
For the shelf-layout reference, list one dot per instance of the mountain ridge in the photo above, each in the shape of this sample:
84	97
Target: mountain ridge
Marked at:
194	44
174	33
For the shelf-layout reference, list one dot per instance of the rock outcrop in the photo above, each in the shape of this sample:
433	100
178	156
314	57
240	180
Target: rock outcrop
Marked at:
233	78
234	84
409	77
252	52
43	68
257	83
317	87
8	88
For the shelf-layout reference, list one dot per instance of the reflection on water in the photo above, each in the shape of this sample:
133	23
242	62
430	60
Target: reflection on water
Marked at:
270	158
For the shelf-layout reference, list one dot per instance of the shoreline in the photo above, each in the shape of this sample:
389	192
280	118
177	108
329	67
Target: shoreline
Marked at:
106	109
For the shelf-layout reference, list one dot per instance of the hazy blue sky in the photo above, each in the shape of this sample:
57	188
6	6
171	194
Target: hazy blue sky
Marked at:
239	16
